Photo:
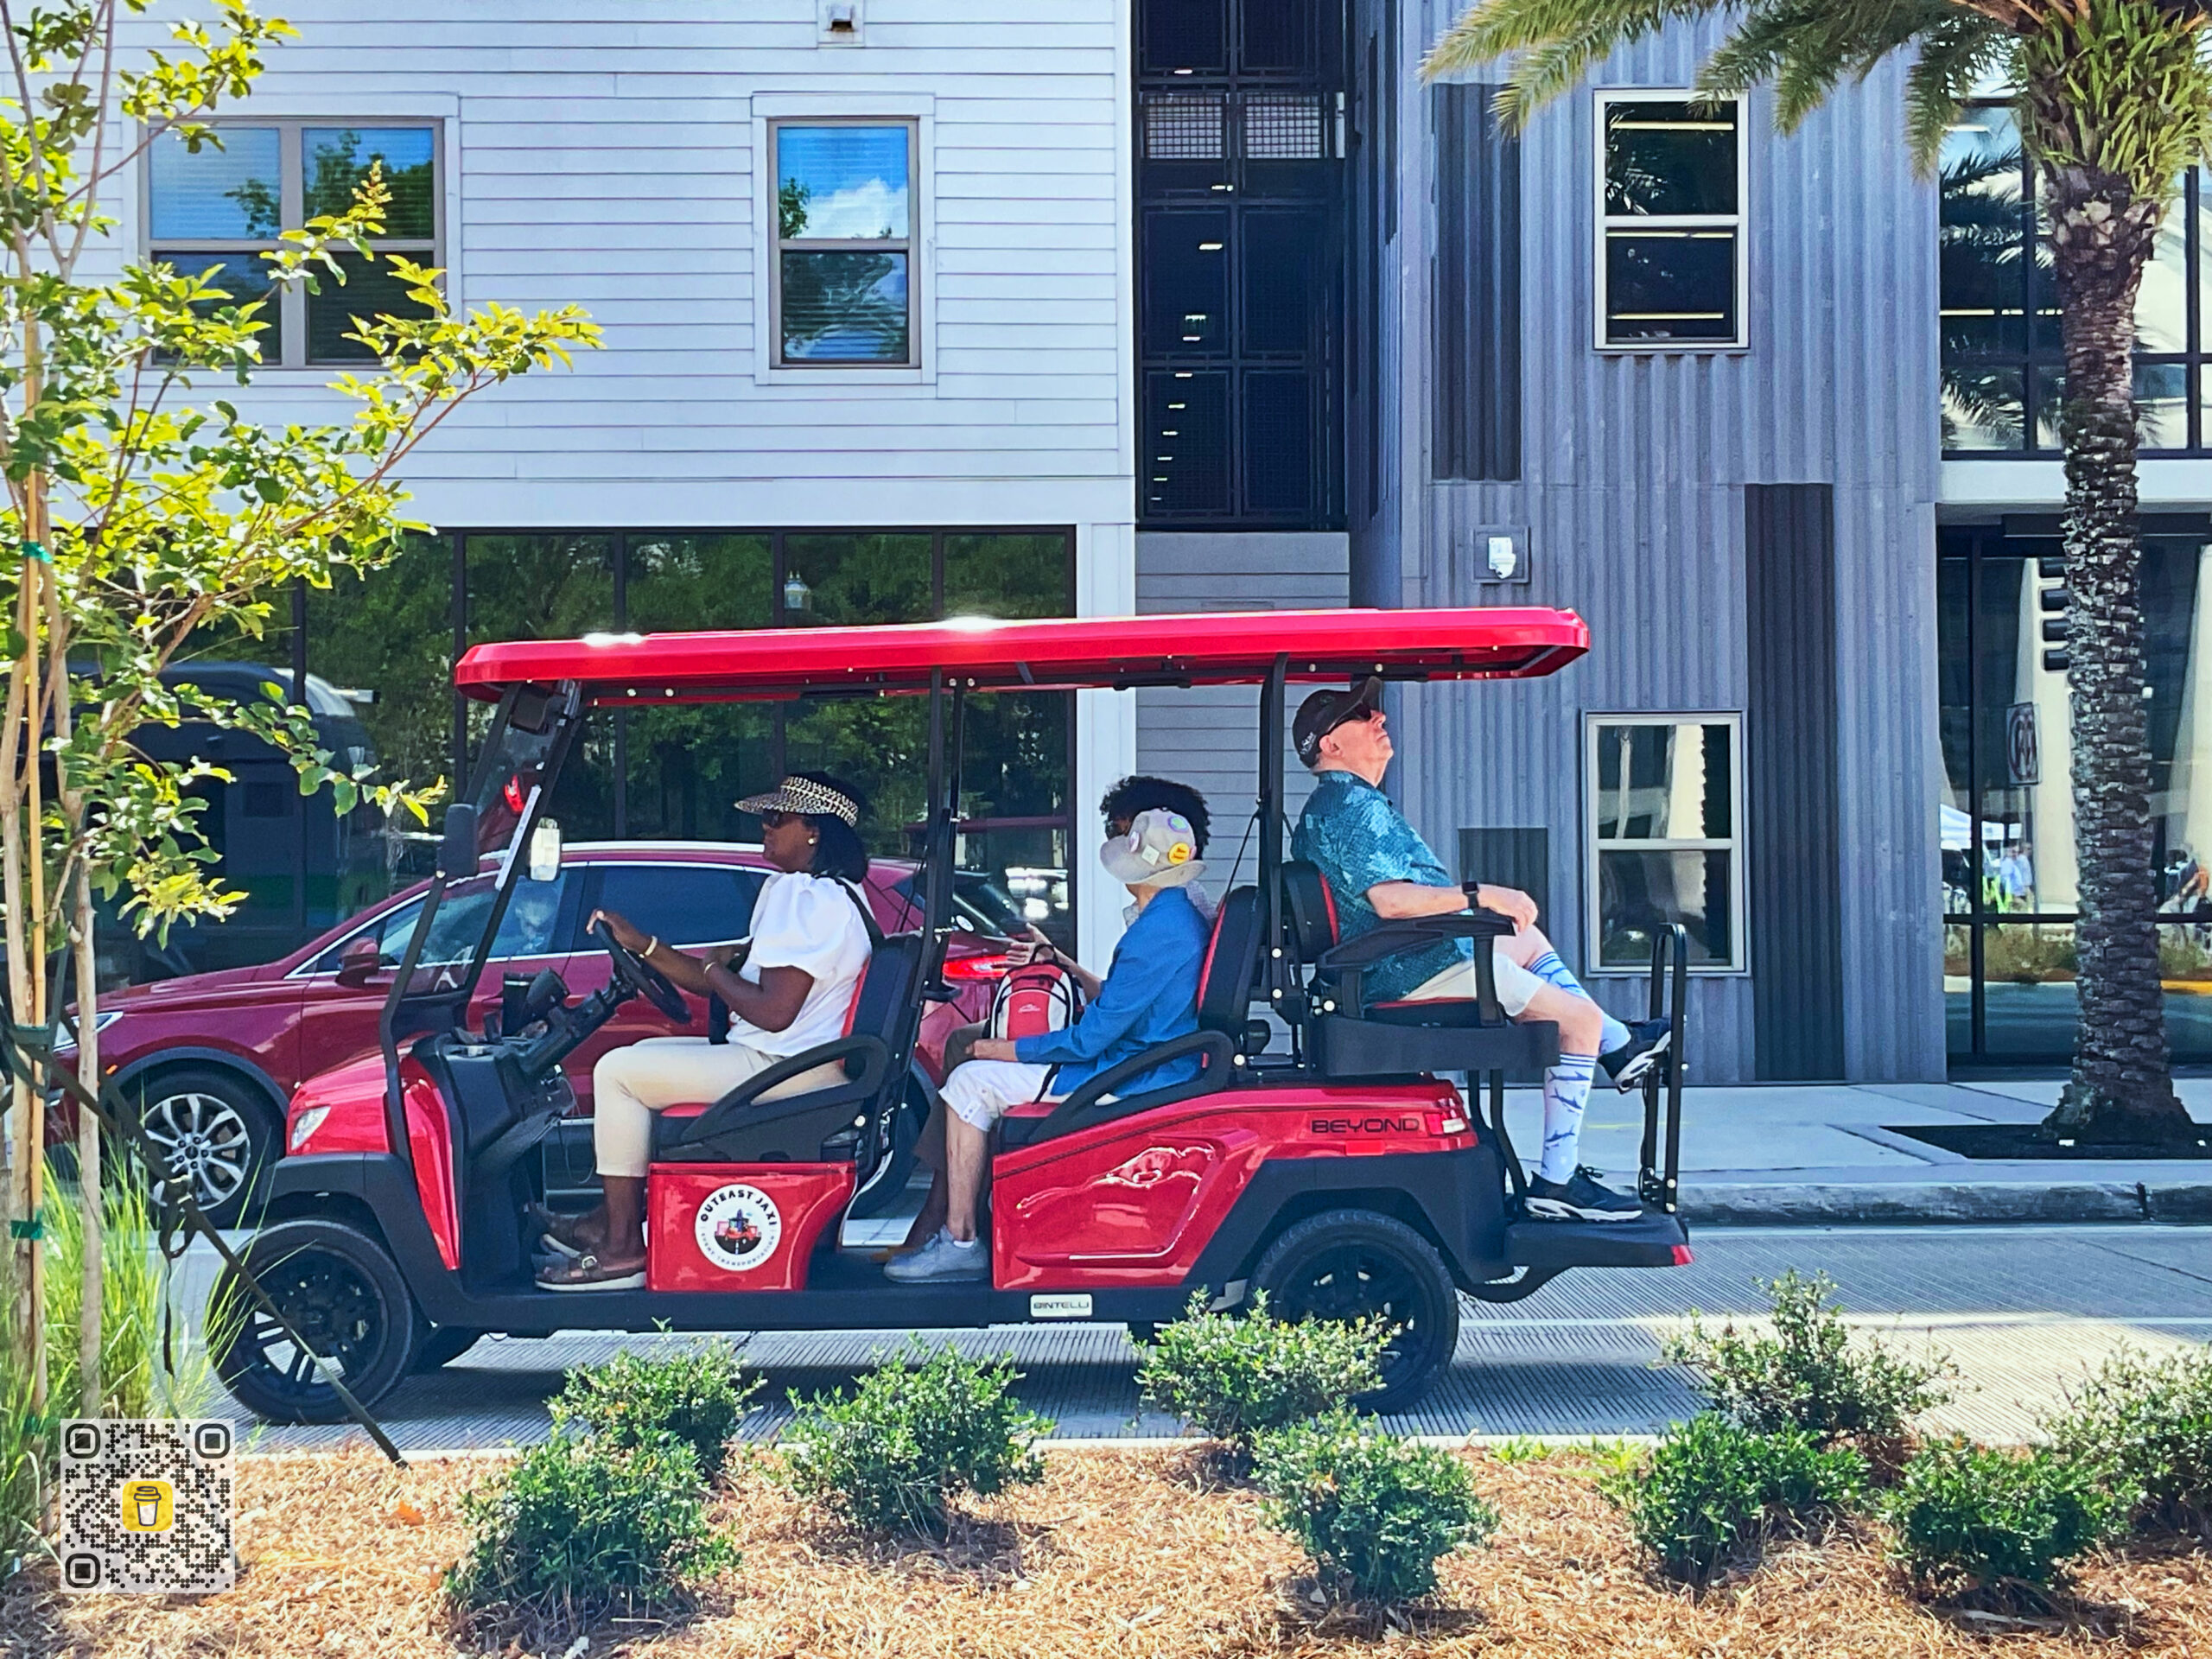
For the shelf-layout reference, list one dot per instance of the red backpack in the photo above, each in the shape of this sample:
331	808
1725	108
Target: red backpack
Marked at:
1030	1000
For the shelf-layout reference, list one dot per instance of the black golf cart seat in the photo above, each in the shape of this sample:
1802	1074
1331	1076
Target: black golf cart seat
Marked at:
1226	1034
848	1119
1351	1038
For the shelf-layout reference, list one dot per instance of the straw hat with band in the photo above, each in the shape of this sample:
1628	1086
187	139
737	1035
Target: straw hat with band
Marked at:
806	798
1160	851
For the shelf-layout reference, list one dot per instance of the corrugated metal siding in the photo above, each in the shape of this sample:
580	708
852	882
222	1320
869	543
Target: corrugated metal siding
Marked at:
1632	479
1477	299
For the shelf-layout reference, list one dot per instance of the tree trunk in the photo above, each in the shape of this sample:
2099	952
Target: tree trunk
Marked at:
93	1304
2122	1088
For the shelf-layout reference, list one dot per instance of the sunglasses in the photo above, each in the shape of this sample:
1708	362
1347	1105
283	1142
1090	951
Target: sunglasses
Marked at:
772	819
1360	713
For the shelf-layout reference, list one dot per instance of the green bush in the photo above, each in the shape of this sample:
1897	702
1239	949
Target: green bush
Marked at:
913	1436
579	1526
2148	1424
1237	1376
1968	1517
630	1400
1375	1512
1712	1488
1808	1373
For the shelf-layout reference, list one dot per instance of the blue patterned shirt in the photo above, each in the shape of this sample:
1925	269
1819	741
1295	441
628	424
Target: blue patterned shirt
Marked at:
1358	840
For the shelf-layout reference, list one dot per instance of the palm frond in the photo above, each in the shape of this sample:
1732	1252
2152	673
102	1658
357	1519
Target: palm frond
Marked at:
1559	41
1955	53
1806	48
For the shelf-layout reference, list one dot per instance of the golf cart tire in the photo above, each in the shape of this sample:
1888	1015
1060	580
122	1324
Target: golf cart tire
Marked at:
339	1287
1402	1276
216	1091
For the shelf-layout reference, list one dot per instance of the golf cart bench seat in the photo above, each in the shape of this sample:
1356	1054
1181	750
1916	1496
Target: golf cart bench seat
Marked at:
1391	1039
825	1125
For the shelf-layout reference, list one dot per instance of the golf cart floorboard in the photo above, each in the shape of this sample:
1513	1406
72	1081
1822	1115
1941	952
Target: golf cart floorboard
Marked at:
1649	1241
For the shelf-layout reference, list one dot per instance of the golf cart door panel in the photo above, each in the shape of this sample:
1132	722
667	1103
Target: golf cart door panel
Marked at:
724	1227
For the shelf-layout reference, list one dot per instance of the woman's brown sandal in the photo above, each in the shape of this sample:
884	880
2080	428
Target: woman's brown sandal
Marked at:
587	1272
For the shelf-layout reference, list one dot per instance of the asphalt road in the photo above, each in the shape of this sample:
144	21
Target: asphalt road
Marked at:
2025	1310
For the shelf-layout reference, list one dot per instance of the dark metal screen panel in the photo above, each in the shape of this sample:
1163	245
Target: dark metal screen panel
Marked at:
1478	294
1792	829
1518	858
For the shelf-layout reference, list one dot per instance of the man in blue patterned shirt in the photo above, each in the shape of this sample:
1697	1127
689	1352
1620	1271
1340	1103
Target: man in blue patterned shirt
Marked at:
1379	869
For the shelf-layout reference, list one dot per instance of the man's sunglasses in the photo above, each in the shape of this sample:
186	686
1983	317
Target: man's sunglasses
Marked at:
1361	712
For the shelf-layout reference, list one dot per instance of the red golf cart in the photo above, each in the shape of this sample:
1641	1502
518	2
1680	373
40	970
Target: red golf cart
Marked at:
1322	1155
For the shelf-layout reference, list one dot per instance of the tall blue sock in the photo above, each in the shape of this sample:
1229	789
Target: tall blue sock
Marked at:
1550	968
1566	1092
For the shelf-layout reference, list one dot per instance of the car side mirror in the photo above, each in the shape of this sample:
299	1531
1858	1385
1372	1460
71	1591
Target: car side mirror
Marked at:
457	846
546	850
359	962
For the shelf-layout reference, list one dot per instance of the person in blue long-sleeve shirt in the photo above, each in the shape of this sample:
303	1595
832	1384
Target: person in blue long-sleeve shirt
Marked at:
1150	997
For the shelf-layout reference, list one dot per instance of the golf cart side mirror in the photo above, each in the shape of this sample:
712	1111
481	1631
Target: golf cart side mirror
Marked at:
358	962
457	847
546	850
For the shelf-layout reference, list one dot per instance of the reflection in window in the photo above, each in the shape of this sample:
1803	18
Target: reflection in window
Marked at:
1671	267
844	242
1664	845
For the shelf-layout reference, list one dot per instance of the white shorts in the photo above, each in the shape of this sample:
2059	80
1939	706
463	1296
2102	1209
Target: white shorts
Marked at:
1516	985
979	1091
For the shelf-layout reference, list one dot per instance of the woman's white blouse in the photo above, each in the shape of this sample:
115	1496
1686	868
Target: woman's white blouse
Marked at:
809	922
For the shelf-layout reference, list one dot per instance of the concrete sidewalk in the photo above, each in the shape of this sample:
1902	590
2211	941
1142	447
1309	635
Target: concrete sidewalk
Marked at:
1825	1153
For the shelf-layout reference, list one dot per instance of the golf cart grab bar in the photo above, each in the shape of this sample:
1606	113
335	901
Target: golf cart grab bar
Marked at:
1656	1183
1219	1053
872	1052
1348	961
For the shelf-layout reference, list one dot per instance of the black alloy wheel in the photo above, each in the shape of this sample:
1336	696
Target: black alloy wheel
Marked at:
343	1294
1346	1264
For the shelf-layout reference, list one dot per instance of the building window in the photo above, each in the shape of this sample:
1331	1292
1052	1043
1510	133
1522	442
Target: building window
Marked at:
843	273
2004	371
1666	838
1670	218
215	213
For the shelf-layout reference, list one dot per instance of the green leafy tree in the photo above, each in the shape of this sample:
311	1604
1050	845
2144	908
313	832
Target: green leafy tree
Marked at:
147	512
2114	99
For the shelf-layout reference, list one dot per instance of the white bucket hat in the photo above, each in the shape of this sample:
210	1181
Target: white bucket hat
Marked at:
1160	851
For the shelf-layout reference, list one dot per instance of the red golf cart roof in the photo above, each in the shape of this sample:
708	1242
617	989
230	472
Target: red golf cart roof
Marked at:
1215	648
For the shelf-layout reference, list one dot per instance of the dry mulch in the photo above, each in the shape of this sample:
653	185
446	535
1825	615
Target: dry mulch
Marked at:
1119	1553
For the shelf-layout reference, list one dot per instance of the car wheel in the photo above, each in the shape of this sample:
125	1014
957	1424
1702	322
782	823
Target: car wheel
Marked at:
1346	1264
344	1295
218	1131
441	1344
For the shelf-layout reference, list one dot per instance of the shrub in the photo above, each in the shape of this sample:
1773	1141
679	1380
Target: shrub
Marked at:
1968	1517
1234	1375
1808	1373
1375	1512
2147	1423
630	1400
1712	1488
912	1437
579	1527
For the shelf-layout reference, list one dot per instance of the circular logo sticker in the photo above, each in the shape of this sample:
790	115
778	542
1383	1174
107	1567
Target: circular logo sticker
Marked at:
738	1228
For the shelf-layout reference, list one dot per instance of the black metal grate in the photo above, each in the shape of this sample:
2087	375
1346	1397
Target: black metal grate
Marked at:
1185	464
1184	127
1285	127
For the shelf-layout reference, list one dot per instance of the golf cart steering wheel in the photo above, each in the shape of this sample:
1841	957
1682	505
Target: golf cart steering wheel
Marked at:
639	976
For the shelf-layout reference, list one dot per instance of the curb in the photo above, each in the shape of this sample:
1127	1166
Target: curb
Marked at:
1831	1203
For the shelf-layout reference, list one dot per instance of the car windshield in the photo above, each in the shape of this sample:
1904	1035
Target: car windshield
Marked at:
979	903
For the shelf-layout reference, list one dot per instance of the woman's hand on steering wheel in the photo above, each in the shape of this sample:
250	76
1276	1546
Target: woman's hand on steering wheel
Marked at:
627	948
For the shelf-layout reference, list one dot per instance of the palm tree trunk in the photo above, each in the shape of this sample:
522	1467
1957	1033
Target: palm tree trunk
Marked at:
2122	1088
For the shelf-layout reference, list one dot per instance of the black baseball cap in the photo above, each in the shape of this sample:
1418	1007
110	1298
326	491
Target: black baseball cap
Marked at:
1325	711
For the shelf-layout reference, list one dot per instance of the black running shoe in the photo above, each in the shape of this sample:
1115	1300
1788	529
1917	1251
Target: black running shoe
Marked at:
1579	1197
1632	1063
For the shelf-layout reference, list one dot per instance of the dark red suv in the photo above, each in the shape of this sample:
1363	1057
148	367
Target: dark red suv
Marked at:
214	1057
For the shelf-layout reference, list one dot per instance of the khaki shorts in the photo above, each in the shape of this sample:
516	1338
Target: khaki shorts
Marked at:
1516	985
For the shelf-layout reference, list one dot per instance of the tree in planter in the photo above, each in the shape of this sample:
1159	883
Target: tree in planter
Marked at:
2114	98
146	512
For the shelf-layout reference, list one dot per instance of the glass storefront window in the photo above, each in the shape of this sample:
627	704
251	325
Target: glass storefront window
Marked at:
2006	824
1663	839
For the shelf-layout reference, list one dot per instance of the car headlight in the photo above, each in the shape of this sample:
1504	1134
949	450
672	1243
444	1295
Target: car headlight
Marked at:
101	1022
305	1125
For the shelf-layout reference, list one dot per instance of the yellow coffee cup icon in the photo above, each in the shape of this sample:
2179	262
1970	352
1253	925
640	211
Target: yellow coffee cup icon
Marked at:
148	1506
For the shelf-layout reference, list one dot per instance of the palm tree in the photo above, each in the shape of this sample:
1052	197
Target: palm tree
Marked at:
2114	99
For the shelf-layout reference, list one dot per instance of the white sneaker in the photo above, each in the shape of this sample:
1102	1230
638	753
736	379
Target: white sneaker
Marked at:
943	1258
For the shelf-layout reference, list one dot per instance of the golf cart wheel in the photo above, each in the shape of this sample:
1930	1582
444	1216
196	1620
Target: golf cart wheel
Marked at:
218	1130
342	1293
1346	1264
441	1344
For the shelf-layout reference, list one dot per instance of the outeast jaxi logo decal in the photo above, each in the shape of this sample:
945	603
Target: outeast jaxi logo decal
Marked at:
738	1227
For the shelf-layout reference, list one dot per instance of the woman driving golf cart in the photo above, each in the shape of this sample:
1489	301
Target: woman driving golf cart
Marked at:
788	988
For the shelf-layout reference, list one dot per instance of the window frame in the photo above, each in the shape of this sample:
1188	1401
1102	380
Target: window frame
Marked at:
289	315
1735	845
910	244
1740	221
